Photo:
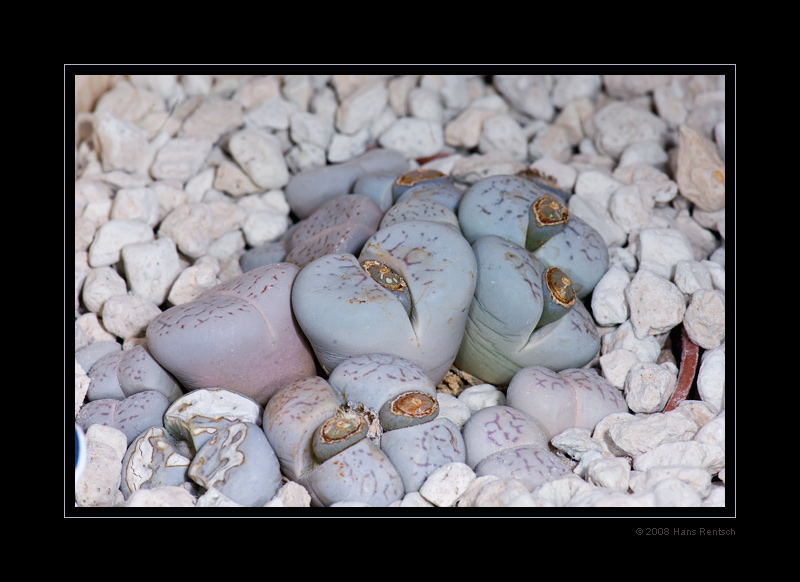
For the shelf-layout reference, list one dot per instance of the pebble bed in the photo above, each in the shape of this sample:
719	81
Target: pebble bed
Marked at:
642	155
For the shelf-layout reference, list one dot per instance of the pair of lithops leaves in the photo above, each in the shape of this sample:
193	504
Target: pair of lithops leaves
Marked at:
370	432
535	264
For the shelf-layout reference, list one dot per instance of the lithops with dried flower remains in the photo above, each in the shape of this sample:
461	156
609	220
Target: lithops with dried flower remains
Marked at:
370	433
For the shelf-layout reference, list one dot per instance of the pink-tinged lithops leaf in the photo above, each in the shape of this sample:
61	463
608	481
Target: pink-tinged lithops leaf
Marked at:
240	336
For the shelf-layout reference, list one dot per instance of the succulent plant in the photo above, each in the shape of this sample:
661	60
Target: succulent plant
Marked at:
406	294
368	433
566	399
240	336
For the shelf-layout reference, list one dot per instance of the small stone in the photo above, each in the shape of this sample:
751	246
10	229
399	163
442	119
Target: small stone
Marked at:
698	479
290	494
446	484
231	179
99	285
551	142
701	171
492	491
260	155
616	364
558	492
575	442
682	454
656	305
705	318
361	107
642	434
121	145
619	124
465	130
691	276
481	396
502	132
112	236
413	499
189	226
629	208
99	484
151	268
136	204
672	492
713	432
213	118
180	158
195	280
648	387
470	169
613	472
160	497
647	349
453	409
415	138
128	315
661	249
609	306
711	377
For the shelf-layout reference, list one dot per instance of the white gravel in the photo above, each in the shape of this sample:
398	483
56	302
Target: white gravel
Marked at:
177	175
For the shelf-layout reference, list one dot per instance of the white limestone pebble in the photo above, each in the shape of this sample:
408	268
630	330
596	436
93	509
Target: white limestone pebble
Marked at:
168	496
620	124
648	386
290	494
682	454
713	432
701	172
616	364
189	226
704	320
661	249
81	386
711	377
180	158
611	472
99	484
121	145
112	236
647	348
136	204
502	132
493	491
259	153
151	268
609	306
656	304
452	408
482	396
361	107
691	276
576	442
100	284
446	484
128	316
640	434
697	478
412	499
415	138
195	280
629	208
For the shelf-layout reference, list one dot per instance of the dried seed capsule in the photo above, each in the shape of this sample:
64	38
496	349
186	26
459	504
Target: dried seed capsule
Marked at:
337	433
408	409
559	296
412	178
546	218
390	280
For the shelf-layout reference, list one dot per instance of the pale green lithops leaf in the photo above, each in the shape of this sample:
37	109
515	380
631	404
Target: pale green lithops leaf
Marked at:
240	463
522	314
510	207
348	306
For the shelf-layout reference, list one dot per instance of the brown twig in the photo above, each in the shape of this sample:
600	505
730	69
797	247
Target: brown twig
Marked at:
689	356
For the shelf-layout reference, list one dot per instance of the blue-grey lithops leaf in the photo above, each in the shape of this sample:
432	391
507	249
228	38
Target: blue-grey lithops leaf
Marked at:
417	451
361	472
531	465
377	186
139	371
496	428
344	310
291	418
240	463
103	378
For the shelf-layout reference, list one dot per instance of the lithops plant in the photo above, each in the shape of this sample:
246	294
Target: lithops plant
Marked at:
566	399
523	314
406	294
508	443
240	336
369	433
522	211
122	373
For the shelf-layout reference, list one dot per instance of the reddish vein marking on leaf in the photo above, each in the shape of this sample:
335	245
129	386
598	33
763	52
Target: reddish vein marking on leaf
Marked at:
689	356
